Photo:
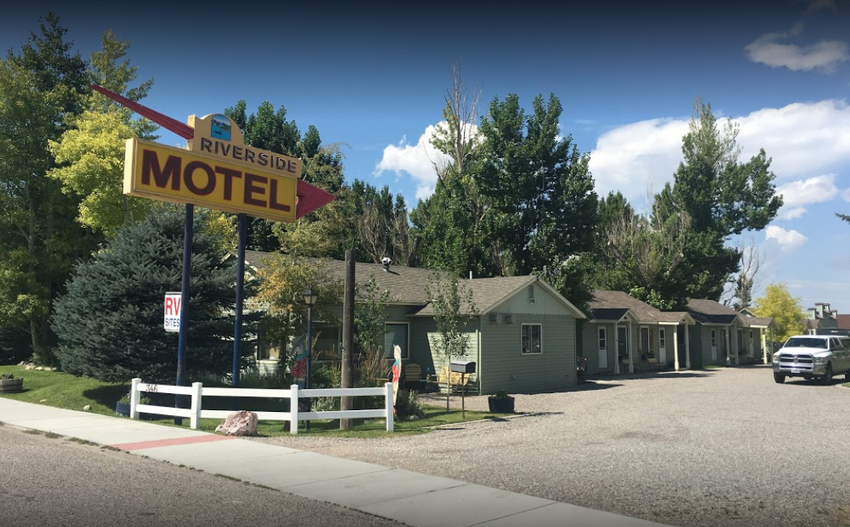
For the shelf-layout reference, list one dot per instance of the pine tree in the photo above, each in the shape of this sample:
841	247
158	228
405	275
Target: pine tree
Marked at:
110	321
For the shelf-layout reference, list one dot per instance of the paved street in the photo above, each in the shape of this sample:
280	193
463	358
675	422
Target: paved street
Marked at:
725	447
48	480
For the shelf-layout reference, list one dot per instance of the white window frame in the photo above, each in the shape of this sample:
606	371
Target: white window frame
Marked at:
539	338
662	339
714	338
602	338
648	350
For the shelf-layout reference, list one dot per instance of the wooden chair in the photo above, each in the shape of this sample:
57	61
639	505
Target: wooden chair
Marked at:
456	380
412	375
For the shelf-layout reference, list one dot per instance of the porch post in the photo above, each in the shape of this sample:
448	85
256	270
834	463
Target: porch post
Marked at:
763	335
630	341
737	349
687	347
616	349
728	347
676	347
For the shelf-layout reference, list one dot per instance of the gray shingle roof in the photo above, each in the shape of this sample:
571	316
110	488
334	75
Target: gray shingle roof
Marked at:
761	322
711	312
604	302
612	305
408	285
487	293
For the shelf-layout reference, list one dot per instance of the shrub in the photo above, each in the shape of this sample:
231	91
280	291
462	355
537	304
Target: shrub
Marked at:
109	323
407	405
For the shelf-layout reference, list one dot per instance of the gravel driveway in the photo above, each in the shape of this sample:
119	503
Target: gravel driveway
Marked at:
723	447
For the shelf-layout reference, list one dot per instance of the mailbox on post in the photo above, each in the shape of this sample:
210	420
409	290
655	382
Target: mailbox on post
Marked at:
463	366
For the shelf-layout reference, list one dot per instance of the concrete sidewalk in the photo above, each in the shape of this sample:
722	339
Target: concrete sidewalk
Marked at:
408	497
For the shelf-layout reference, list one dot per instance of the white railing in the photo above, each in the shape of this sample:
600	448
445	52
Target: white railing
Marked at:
197	392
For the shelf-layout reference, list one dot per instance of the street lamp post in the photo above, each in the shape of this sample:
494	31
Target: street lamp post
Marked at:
310	297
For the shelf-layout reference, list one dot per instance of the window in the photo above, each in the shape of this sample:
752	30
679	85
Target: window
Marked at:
531	338
713	338
603	344
645	345
662	338
396	334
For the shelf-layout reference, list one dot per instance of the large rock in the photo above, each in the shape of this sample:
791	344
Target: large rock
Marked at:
241	423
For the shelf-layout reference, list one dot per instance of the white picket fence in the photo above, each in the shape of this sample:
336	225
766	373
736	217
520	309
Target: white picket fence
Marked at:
197	392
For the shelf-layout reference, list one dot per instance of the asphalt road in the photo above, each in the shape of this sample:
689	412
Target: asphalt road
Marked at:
55	481
717	448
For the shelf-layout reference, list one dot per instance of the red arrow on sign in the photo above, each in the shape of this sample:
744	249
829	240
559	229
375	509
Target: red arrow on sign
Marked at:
310	197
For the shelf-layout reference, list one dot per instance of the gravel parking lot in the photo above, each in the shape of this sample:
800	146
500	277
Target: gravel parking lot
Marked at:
722	447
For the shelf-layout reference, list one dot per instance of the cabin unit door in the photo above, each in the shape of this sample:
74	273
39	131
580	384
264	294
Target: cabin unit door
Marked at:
603	348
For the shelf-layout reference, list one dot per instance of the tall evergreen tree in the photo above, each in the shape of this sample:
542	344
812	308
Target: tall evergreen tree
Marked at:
109	323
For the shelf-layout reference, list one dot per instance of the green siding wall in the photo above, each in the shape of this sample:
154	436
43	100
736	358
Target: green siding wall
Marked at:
503	366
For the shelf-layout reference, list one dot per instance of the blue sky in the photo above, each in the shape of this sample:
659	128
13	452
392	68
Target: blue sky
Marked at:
374	80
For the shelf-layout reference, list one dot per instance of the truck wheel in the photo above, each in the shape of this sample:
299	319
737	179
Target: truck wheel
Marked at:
779	378
827	377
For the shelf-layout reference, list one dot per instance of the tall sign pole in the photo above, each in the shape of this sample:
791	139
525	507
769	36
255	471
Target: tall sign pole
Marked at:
240	288
346	402
183	337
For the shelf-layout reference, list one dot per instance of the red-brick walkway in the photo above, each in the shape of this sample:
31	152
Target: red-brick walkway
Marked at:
170	442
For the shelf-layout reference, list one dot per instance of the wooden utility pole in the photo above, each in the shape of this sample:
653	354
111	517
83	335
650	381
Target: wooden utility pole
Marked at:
347	337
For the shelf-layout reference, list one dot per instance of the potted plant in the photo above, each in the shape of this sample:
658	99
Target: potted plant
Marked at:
11	384
122	407
501	402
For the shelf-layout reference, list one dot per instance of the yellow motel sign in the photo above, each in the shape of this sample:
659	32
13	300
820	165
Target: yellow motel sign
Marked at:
217	171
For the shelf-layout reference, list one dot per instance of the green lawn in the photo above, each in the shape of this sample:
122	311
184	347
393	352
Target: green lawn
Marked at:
63	390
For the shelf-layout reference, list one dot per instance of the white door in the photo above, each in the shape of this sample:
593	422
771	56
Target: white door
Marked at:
713	344
603	349
662	345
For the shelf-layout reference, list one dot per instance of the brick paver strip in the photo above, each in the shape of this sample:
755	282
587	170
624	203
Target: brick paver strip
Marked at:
171	442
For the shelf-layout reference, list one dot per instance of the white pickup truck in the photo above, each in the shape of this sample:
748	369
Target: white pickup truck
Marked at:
813	357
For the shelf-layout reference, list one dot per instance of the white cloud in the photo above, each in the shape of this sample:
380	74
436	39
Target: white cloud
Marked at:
790	214
787	240
802	140
798	193
416	161
629	158
421	161
824	54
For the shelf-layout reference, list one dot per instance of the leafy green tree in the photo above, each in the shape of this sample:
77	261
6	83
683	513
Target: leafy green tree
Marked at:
269	129
721	195
785	310
645	255
109	323
282	280
454	309
370	327
91	151
40	87
544	204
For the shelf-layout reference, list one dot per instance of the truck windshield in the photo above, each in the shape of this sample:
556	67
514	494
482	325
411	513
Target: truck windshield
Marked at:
803	342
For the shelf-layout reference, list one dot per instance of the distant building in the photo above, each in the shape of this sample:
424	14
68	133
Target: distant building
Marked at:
821	317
